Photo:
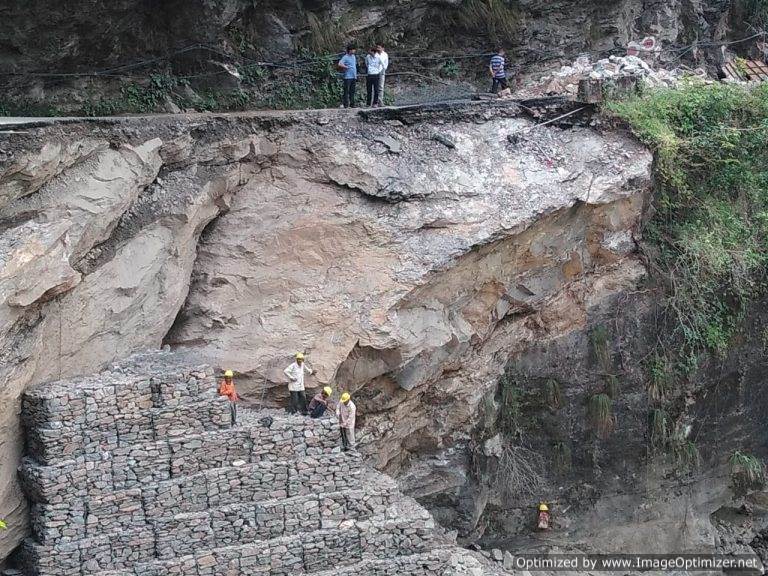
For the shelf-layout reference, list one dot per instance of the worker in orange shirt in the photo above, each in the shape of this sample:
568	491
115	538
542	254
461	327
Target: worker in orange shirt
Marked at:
227	388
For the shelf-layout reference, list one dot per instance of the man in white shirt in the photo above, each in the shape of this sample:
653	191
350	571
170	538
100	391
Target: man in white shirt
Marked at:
295	374
384	65
374	69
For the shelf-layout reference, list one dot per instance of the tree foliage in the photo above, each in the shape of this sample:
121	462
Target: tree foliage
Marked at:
711	209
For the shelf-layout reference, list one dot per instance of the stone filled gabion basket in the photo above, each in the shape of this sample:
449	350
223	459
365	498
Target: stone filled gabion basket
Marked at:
139	471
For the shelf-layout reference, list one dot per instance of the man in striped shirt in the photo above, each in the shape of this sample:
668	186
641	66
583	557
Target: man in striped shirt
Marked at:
498	73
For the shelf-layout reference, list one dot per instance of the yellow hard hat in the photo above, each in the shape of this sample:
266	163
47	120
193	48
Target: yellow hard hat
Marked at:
228	374
543	507
345	397
328	391
299	356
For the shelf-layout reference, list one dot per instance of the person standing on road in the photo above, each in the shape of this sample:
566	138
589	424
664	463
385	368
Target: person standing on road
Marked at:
346	413
384	67
295	373
227	388
348	67
373	68
498	71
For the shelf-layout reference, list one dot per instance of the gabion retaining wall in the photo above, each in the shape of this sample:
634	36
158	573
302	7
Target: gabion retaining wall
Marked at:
137	471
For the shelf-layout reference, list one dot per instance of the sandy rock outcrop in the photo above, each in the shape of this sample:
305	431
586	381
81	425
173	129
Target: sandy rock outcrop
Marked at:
408	252
95	257
409	277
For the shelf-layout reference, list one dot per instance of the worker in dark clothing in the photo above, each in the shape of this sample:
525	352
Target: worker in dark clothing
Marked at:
319	403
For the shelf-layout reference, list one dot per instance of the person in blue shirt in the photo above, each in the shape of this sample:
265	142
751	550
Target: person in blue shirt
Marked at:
348	67
498	72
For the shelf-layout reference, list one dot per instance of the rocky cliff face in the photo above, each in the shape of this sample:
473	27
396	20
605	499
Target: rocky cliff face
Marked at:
408	253
129	40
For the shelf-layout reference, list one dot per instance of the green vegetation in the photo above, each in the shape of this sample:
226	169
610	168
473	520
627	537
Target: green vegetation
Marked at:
510	413
138	98
316	86
747	471
685	454
600	414
661	379
449	69
710	228
553	395
3	525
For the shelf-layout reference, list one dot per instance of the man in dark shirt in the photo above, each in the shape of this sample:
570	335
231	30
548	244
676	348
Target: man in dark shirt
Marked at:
319	403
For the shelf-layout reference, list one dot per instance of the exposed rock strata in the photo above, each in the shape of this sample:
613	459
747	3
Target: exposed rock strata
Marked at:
409	272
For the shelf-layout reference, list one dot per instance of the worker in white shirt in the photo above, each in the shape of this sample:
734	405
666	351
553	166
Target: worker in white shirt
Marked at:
374	69
384	57
346	412
295	374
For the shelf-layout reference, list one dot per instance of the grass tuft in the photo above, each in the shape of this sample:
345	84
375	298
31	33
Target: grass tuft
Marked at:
600	414
747	471
553	395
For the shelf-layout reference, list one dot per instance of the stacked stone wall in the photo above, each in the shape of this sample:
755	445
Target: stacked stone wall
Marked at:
137	471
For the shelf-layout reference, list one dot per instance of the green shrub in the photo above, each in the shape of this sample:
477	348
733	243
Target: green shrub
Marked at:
661	379
600	414
711	208
449	69
685	455
747	471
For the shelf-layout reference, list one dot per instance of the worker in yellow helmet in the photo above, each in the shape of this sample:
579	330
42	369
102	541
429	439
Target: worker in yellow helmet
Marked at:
295	373
320	402
543	518
227	388
346	411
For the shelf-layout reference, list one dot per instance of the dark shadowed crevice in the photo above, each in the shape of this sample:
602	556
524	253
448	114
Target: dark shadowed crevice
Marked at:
172	337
